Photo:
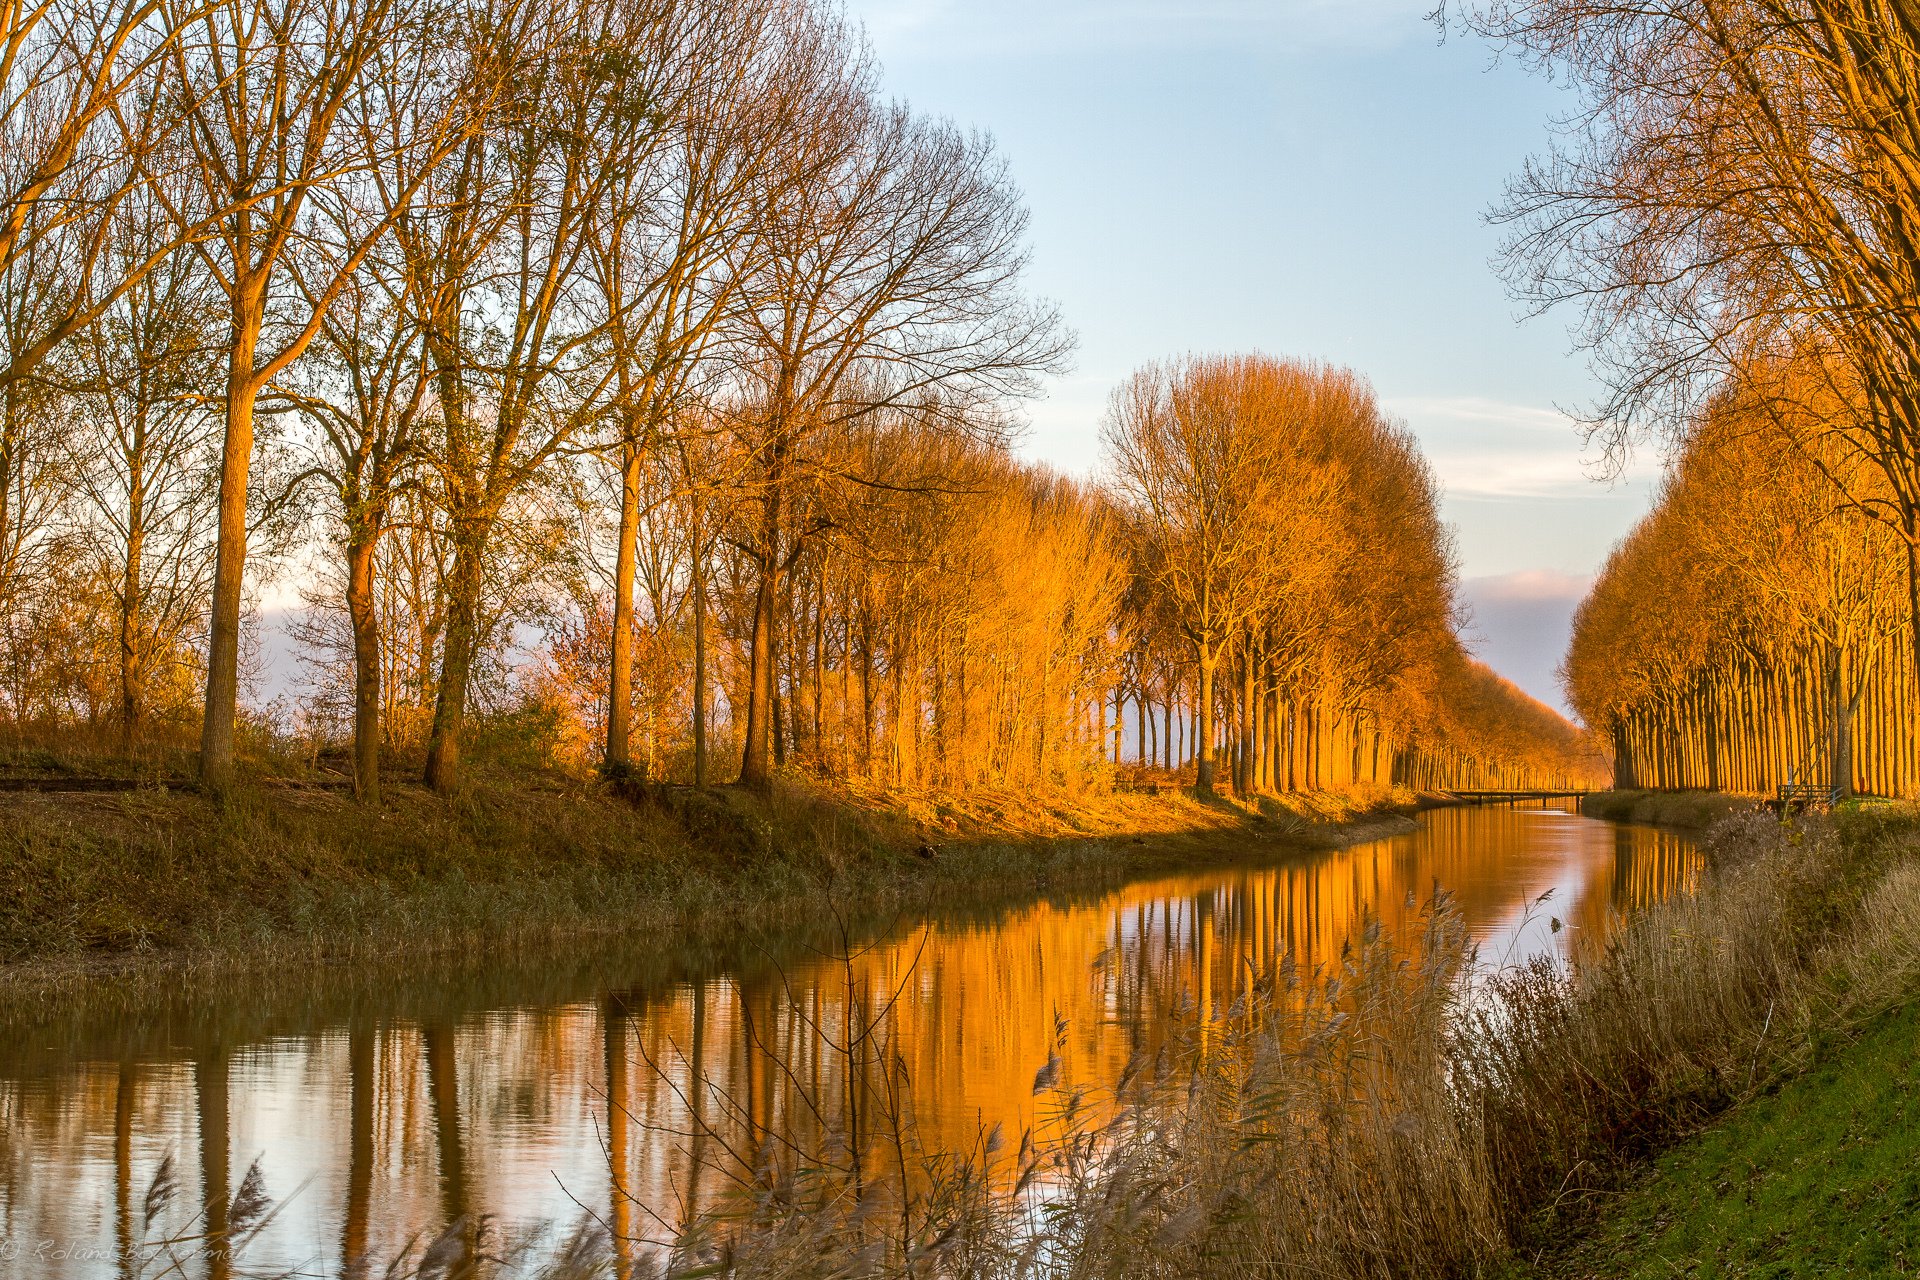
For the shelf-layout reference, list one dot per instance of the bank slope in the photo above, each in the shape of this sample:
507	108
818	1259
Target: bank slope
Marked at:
1819	1178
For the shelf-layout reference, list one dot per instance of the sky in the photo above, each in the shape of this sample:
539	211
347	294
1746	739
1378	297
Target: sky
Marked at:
1304	178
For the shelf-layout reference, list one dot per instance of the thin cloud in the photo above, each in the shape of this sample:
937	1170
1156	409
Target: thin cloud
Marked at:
1529	584
1486	449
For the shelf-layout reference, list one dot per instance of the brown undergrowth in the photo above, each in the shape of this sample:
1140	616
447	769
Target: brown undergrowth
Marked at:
158	876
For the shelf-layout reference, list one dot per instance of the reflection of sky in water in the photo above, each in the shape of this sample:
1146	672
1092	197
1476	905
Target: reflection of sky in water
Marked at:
380	1110
1555	884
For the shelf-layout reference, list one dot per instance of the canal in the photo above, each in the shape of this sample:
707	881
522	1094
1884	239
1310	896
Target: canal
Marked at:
370	1108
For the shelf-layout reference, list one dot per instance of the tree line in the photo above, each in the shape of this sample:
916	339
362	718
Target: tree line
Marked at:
1752	631
1292	571
631	382
1732	209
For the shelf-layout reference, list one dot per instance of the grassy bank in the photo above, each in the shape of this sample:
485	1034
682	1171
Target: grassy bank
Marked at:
99	881
1694	810
1820	1177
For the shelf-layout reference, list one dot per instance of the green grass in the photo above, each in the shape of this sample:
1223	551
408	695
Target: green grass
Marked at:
1819	1178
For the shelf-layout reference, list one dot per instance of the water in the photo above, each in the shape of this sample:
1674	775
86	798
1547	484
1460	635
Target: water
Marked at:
378	1106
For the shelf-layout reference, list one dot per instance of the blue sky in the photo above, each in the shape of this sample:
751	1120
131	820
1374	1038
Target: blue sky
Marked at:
1303	177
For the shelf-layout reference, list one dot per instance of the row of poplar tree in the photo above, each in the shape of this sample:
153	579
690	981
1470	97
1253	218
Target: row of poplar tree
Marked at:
1735	210
1753	631
637	373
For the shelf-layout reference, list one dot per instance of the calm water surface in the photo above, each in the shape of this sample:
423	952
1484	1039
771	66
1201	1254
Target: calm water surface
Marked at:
377	1107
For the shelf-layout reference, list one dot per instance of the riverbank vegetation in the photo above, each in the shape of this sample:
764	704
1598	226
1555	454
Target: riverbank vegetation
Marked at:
1508	1108
100	883
626	387
1694	810
1733	211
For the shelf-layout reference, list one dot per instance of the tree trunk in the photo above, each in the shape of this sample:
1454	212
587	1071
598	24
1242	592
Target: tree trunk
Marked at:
1911	522
755	767
778	725
620	672
699	660
820	673
1249	723
866	698
366	662
1203	731
132	668
846	697
230	560
457	655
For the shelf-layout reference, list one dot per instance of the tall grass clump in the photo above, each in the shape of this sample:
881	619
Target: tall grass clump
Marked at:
1689	1008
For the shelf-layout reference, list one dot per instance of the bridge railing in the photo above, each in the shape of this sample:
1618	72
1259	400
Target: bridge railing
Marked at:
1804	794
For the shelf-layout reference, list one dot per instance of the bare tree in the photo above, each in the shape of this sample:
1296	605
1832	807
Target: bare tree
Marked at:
77	101
272	88
367	383
660	252
515	328
883	277
81	110
1740	187
1193	464
144	455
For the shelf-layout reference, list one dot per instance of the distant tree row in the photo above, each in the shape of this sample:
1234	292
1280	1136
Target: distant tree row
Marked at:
1752	631
1286	536
629	382
1735	210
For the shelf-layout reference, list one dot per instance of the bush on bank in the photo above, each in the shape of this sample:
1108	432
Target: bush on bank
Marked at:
1692	809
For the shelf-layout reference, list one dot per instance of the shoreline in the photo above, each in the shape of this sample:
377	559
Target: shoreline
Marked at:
197	892
1685	810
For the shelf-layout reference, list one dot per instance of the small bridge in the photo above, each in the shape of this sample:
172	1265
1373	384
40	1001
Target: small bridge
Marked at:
1509	797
